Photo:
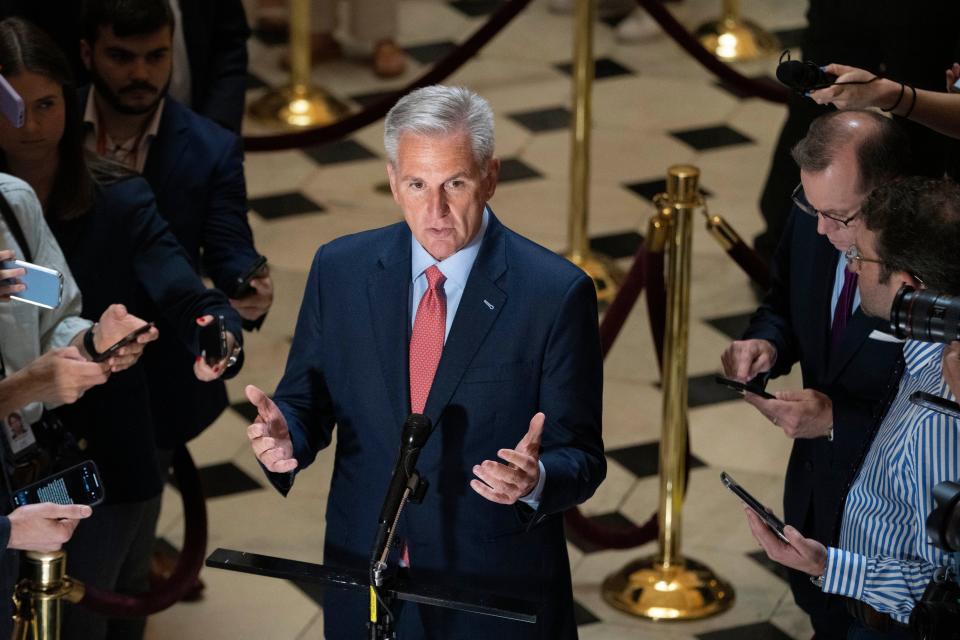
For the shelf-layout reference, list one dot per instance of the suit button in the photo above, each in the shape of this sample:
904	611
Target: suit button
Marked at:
808	465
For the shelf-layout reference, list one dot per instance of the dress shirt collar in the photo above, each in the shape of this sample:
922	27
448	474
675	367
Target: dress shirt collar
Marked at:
920	356
457	267
91	118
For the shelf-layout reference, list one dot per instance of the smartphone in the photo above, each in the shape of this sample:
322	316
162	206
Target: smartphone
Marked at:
772	521
213	341
935	403
11	104
44	285
243	288
131	337
79	484
743	387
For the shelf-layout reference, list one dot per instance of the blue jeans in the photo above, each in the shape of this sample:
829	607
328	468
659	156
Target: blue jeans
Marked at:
860	632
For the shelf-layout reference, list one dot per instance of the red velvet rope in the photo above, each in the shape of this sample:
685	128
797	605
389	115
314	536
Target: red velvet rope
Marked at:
762	89
116	605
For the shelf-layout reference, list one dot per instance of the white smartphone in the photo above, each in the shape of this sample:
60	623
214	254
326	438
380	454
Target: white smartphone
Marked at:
11	104
44	285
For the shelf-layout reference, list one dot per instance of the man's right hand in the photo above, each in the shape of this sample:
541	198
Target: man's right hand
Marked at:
269	435
61	376
743	360
45	526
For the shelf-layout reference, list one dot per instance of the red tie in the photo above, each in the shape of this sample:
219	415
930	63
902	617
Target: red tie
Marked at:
426	343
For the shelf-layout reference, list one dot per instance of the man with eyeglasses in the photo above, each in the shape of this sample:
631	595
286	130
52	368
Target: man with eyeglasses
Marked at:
883	559
811	315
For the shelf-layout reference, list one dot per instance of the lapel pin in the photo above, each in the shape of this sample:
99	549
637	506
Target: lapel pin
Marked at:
489	306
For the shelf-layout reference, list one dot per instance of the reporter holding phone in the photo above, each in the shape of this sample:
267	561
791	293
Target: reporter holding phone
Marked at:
119	250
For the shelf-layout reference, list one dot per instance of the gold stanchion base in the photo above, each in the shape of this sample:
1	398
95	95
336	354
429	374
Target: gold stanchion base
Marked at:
298	106
737	39
645	589
606	275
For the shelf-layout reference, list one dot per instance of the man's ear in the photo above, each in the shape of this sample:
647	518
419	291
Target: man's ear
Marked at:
86	53
493	174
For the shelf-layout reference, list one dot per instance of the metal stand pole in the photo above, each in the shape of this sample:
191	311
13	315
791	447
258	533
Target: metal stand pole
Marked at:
606	276
37	597
299	104
668	586
734	38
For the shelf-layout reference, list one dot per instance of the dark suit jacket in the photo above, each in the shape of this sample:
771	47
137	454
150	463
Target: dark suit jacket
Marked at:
195	169
795	317
524	339
123	252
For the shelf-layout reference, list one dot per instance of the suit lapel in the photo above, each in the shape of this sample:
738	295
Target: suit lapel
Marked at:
823	270
856	333
166	149
388	289
480	306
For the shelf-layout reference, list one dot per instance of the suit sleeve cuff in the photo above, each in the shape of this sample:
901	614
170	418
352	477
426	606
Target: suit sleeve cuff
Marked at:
845	574
4	533
532	499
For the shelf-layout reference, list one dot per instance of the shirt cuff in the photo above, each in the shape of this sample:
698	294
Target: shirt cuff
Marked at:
532	499
845	574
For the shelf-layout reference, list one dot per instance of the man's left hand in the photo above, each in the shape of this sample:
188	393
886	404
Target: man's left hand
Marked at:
507	483
801	414
802	554
255	305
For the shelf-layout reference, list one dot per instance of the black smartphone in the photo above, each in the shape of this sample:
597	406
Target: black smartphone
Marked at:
772	521
131	337
743	387
243	288
213	341
79	484
935	403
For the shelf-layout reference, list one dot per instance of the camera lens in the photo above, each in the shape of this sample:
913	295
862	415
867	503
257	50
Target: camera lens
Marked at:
925	315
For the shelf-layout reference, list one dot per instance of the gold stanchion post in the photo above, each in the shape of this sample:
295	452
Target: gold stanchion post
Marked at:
299	104
732	37
668	586
606	276
37	598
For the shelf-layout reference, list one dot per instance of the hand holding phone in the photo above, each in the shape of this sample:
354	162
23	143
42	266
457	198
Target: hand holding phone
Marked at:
128	339
79	484
773	522
213	341
744	387
43	287
243	287
9	282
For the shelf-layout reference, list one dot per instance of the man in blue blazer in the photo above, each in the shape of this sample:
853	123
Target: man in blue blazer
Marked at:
492	337
812	316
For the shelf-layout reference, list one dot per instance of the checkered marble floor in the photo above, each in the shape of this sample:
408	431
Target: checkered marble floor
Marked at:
653	107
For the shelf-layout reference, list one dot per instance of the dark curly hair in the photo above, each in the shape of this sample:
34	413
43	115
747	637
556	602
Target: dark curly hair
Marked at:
917	222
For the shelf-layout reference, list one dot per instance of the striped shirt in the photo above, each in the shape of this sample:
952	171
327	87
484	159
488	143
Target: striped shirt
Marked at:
885	558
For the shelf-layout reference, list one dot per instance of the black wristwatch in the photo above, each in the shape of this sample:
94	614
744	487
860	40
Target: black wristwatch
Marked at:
88	343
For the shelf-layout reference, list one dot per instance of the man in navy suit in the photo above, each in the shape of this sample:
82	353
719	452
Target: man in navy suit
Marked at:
492	337
812	316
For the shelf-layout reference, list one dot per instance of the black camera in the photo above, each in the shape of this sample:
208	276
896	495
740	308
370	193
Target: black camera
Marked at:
937	615
924	315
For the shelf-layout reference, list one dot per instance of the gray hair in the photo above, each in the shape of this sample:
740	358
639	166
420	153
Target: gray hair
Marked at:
437	111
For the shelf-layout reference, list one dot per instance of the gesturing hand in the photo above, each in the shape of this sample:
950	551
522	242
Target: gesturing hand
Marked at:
507	483
803	554
269	435
45	526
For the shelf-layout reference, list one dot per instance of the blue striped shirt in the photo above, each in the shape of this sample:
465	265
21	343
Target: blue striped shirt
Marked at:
885	558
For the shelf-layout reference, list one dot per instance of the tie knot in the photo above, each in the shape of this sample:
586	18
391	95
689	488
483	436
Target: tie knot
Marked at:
435	277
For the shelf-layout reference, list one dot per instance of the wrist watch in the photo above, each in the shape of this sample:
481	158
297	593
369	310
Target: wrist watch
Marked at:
234	355
830	434
817	581
88	343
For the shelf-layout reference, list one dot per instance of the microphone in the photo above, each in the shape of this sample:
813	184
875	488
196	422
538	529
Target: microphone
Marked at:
803	76
416	430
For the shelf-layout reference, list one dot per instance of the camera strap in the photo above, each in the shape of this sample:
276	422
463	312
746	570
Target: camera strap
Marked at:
14	225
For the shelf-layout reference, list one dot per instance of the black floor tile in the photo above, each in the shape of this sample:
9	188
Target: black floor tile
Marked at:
731	326
703	390
311	590
650	188
775	568
716	137
617	245
738	93
340	151
475	8
224	479
758	631
643	460
430	52
602	68
271	37
367	99
540	120
247	410
253	82
582	615
792	38
512	169
615	520
284	204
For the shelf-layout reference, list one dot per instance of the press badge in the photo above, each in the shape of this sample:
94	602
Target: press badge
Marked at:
20	437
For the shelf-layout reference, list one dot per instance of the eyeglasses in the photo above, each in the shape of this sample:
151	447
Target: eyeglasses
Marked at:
853	254
801	201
